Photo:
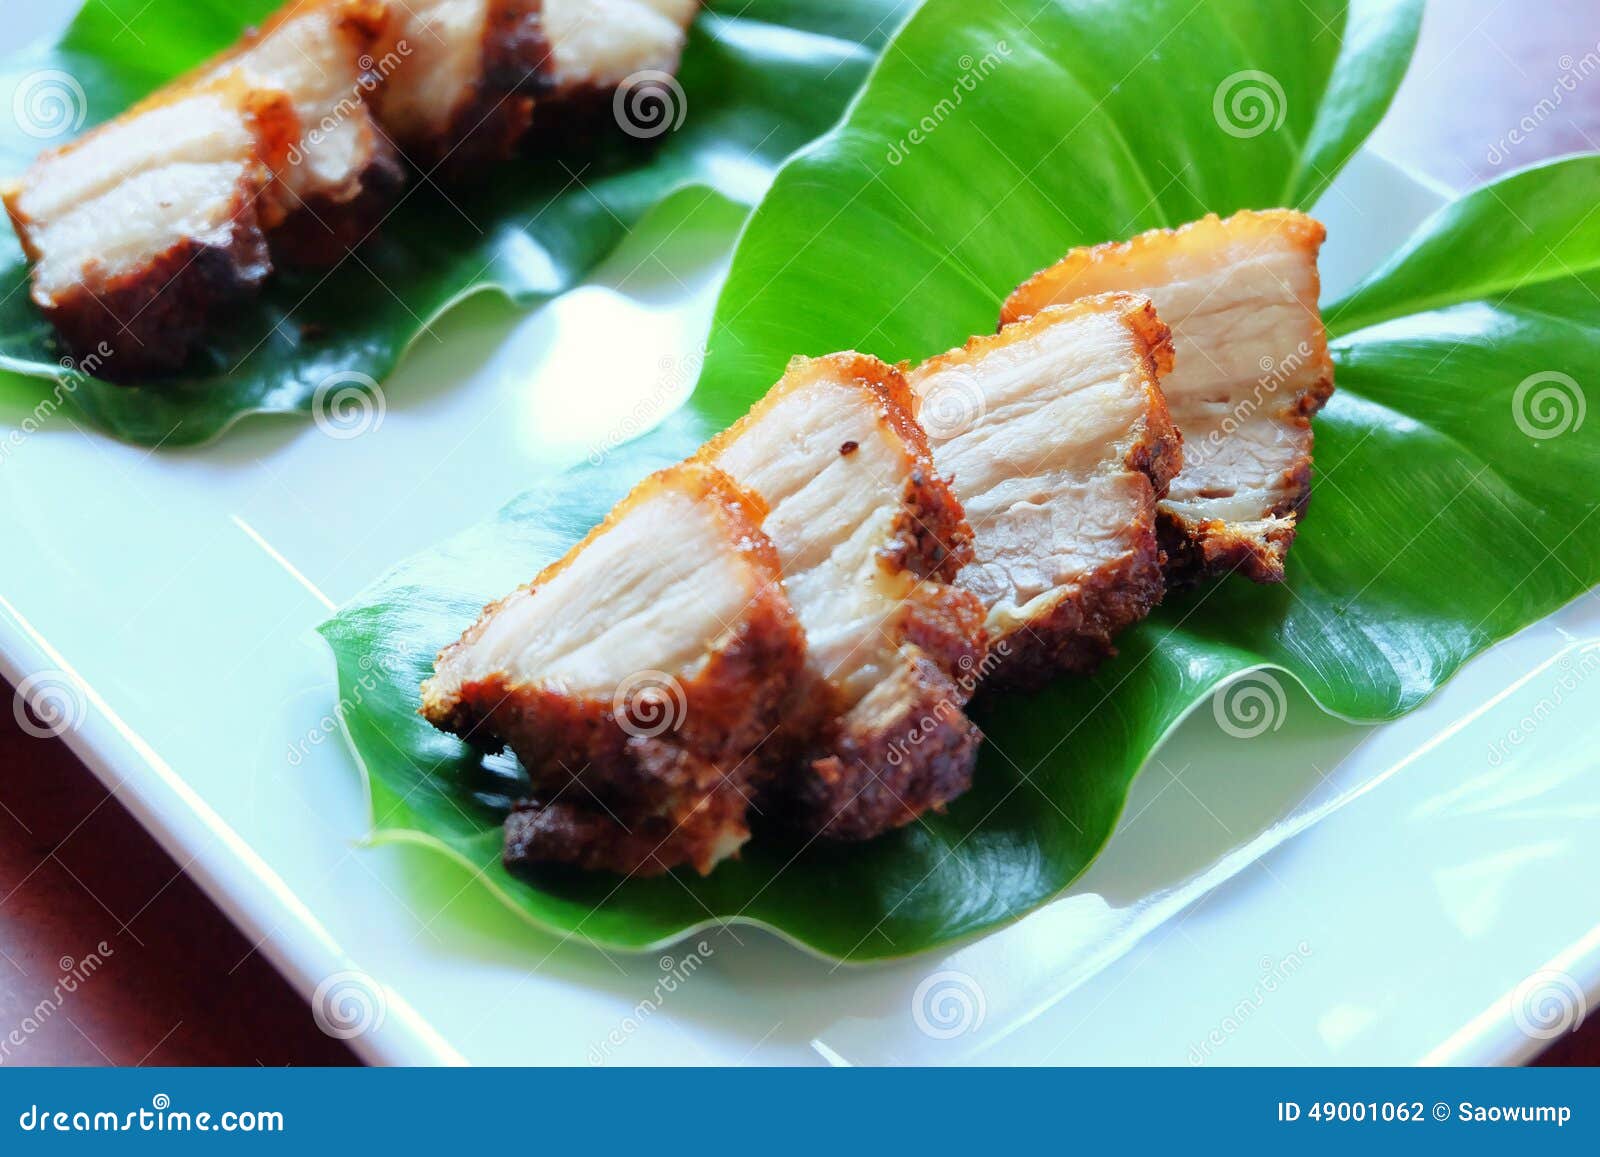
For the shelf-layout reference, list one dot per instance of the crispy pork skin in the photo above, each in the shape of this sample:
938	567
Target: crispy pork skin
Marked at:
142	230
341	172
869	538
1056	436
1252	368
465	74
637	680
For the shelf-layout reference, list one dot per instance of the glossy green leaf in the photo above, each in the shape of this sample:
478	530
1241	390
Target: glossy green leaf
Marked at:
760	77
1457	469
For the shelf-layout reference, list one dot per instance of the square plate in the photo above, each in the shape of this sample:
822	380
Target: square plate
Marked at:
167	603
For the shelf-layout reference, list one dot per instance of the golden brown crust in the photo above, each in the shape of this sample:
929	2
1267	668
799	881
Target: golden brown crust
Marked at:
495	115
1200	549
858	770
1053	284
1073	633
933	538
593	839
885	768
320	229
151	318
595	768
323	229
148	320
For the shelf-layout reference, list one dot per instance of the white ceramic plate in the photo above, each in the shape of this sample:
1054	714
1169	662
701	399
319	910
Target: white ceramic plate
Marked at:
167	600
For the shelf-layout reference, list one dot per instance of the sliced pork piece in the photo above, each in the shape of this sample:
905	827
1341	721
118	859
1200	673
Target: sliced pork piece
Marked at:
463	77
472	71
341	172
870	539
597	45
145	228
1056	436
1252	367
636	680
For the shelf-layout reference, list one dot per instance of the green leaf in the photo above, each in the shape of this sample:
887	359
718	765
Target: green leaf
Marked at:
1043	124
1453	502
761	78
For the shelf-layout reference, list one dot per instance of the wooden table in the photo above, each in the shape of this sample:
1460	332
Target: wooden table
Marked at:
179	985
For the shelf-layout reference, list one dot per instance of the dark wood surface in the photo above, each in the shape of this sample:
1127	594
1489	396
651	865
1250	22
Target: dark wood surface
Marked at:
1496	84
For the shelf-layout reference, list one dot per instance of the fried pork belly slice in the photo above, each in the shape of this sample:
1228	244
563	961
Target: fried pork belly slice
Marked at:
341	172
1056	437
636	680
1252	367
596	45
471	71
870	539
145	228
460	79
